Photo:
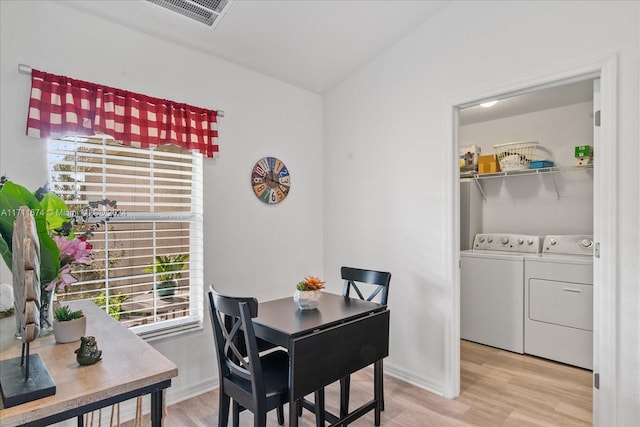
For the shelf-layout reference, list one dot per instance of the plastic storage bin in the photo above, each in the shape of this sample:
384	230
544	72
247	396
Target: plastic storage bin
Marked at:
516	155
538	164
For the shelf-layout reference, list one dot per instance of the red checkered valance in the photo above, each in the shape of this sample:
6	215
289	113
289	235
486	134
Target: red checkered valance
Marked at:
61	106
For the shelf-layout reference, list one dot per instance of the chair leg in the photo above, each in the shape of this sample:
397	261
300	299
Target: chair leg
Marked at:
299	407
381	373
345	384
223	409
260	419
280	413
320	414
236	414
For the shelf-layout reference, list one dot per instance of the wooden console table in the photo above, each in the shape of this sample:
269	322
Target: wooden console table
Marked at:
129	368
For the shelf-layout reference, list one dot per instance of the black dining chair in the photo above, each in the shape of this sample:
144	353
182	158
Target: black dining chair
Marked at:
376	285
254	382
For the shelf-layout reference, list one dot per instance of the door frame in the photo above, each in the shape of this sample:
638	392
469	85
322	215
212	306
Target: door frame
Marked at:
605	229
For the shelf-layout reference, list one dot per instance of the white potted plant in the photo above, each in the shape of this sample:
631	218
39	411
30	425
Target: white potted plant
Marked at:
68	326
308	292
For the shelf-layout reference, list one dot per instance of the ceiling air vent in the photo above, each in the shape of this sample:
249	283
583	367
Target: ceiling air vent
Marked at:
205	11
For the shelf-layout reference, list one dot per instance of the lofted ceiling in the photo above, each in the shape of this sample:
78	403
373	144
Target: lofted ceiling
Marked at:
312	44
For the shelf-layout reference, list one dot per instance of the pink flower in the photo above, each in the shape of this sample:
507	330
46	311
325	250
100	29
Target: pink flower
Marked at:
72	252
76	251
64	279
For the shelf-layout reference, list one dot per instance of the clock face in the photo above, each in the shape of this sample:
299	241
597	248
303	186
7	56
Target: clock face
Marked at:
270	180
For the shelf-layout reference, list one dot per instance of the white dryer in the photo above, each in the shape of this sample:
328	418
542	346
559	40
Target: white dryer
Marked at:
558	322
492	289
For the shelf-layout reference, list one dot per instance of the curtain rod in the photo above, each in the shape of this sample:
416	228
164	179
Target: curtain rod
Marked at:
26	69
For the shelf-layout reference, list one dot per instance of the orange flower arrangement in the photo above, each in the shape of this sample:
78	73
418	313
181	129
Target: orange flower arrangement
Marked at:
310	283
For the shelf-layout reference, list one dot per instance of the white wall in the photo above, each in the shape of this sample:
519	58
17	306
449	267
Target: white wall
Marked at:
557	130
389	183
559	203
250	248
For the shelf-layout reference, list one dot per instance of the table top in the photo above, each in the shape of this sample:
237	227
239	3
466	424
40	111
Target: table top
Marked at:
128	363
284	316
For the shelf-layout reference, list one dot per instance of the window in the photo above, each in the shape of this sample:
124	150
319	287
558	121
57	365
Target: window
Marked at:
144	210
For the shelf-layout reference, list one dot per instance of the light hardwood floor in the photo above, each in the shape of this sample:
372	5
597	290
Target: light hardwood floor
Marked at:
498	388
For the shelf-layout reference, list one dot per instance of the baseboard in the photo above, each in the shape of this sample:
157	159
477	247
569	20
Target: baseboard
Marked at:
427	384
177	395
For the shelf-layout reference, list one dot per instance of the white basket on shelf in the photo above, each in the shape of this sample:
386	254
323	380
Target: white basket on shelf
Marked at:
516	155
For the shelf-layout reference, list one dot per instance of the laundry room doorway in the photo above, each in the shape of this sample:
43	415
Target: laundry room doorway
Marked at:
599	221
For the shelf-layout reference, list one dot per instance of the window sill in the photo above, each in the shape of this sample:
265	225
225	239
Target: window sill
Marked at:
159	333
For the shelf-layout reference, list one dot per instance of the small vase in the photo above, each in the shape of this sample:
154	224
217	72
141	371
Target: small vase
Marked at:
70	330
307	300
46	316
46	313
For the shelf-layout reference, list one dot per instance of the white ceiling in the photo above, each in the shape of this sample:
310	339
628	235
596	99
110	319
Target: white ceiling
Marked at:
538	100
312	44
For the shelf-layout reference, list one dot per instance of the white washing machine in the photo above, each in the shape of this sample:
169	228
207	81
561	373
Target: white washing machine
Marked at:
492	289
559	301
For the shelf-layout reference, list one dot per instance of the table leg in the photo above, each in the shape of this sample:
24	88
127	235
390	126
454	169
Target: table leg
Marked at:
293	412
344	395
320	415
377	390
156	408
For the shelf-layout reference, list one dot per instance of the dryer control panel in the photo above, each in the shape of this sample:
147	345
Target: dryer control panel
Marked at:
520	243
569	244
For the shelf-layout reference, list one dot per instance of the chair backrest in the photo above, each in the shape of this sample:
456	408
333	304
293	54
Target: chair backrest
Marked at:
354	278
235	340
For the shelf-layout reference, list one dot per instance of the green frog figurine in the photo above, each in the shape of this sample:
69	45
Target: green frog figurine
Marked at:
88	353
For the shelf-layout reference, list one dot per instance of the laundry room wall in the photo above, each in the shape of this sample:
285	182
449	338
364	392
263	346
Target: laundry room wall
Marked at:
388	160
550	203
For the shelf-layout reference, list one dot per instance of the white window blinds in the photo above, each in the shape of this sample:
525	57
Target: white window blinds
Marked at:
144	210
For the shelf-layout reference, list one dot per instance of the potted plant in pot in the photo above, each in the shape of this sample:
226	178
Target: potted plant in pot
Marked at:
68	325
168	269
307	294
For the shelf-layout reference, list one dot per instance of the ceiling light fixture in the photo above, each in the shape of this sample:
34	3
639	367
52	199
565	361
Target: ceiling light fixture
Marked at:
489	104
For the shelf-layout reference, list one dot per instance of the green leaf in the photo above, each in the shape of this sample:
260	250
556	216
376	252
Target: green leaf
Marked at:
49	258
12	197
168	267
64	314
5	250
55	211
9	206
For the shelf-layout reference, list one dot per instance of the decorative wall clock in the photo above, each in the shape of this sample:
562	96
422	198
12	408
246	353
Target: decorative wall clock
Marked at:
270	180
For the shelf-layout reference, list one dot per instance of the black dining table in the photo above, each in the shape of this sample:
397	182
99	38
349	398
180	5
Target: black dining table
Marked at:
339	337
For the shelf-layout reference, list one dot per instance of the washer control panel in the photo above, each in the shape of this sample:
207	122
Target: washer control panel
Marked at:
569	244
523	243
